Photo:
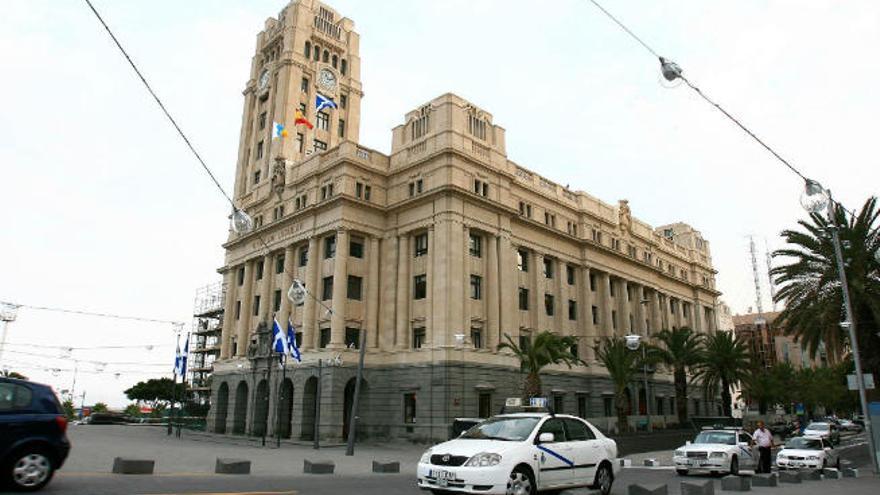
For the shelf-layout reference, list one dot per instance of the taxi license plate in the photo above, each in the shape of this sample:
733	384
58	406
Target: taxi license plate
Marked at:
443	477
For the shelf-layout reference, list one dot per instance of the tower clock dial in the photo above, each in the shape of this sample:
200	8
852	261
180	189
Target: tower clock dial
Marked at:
263	80
327	80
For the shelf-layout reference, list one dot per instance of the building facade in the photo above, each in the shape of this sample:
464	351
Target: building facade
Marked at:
771	346
204	343
434	254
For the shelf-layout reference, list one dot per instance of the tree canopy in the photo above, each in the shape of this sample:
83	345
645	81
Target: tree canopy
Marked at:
156	392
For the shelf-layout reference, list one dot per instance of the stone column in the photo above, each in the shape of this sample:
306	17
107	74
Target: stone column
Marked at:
697	317
266	289
310	329
244	317
401	340
607	304
491	284
340	286
623	307
372	326
229	279
508	289
639	310
656	313
286	281
586	329
388	284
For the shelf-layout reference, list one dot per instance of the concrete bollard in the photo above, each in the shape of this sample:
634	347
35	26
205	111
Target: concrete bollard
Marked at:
123	465
706	487
651	462
318	467
625	462
736	484
850	473
789	477
811	475
636	489
832	474
225	465
386	467
765	479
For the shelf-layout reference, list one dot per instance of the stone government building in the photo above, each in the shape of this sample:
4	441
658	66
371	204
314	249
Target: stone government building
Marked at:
444	236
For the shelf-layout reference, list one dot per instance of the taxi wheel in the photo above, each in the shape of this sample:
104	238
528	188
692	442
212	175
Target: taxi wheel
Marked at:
521	482
604	479
734	466
837	465
682	472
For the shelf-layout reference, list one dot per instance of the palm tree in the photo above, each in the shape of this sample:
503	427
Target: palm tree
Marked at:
622	365
546	349
725	363
681	351
810	287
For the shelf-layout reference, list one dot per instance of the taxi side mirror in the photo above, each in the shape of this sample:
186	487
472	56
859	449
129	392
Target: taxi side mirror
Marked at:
687	442
546	438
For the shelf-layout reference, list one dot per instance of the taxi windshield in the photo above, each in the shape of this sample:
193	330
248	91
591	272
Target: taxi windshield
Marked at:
817	427
508	429
723	437
804	443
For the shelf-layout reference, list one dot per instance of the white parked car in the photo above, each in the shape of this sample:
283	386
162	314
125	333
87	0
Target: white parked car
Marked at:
521	454
807	452
828	431
717	451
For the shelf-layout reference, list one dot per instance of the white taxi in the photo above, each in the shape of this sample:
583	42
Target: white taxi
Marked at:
717	451
521	454
807	453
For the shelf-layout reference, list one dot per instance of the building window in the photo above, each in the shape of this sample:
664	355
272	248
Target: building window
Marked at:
325	338
485	405
352	338
356	247
548	304
276	300
608	406
476	287
326	57
572	228
341	131
317	53
523	299
597	236
343	67
262	120
475	245
548	268
303	256
615	244
569	274
611	289
659	409
614	320
259	150
327	288
257	174
329	247
304	85
256	305
522	260
477	338
525	209
354	287
421	245
592	282
240	276
416	187
582	406
418	339
420	286
367	192
481	187
327	191
319	145
572	310
595	310
279	264
259	268
343	99
358	190
308	50
334	61
477	127
409	408
558	403
299	142
237	309
322	121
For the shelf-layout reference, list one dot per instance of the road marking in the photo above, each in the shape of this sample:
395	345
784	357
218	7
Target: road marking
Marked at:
229	493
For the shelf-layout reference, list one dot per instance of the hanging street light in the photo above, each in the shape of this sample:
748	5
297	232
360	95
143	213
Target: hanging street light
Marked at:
815	198
242	223
671	71
297	292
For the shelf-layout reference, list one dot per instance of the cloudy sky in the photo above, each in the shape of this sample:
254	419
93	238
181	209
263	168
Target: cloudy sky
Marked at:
106	210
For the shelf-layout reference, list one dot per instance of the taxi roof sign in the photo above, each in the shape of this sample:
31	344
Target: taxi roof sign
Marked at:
513	402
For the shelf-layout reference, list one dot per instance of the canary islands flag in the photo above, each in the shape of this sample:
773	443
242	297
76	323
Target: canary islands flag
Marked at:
278	130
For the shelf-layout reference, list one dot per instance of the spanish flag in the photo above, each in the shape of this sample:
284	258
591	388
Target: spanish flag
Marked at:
301	119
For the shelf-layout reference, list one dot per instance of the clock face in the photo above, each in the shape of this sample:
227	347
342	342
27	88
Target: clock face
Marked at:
264	79
327	80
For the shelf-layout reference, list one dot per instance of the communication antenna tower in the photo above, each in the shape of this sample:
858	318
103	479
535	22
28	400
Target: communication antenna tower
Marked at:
769	276
760	320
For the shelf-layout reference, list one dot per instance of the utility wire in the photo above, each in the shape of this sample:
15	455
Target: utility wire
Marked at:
161	105
89	313
716	105
88	348
89	361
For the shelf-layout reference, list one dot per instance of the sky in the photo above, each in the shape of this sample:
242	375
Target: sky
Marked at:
106	210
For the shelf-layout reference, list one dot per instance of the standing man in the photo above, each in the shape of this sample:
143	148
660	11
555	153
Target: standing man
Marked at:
764	439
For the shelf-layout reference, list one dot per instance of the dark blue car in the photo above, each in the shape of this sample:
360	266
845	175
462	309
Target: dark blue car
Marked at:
33	439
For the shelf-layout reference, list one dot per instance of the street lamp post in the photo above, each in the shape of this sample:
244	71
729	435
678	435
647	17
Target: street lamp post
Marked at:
814	199
633	342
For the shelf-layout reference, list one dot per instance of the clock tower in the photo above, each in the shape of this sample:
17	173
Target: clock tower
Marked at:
307	68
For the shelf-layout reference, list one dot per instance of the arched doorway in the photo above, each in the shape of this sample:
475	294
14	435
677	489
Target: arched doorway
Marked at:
348	400
261	409
239	415
285	413
643	401
222	405
310	391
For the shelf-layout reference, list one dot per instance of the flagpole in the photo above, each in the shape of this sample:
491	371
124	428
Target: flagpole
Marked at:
183	368
280	399
173	387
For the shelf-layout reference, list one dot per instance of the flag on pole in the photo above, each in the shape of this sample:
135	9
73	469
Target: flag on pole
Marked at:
180	359
291	342
301	119
278	130
279	342
322	102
